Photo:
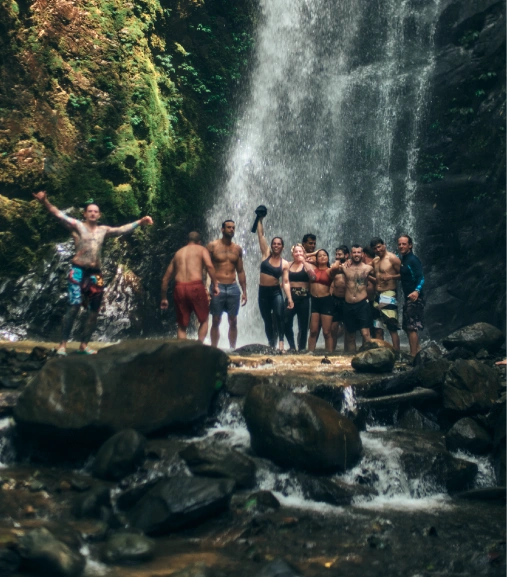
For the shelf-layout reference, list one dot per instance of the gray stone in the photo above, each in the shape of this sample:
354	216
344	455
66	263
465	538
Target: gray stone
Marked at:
119	456
178	502
467	435
239	384
470	386
475	337
430	352
143	385
219	461
127	547
415	420
300	430
43	554
377	360
332	491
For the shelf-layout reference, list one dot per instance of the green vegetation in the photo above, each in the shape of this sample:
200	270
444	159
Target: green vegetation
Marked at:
128	103
432	168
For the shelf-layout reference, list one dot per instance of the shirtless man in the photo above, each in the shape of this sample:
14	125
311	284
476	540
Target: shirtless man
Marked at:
356	309
338	292
86	285
387	272
190	294
227	257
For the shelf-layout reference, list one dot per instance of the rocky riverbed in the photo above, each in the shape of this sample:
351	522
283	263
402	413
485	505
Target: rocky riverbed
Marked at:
288	465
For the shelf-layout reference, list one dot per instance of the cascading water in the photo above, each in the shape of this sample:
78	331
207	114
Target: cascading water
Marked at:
328	136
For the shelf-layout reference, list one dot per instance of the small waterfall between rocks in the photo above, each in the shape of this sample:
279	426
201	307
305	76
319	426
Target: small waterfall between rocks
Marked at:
328	136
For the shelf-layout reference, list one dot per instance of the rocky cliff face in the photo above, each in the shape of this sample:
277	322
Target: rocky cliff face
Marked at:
462	169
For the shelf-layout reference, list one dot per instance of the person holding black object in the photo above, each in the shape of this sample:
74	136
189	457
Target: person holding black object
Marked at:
273	267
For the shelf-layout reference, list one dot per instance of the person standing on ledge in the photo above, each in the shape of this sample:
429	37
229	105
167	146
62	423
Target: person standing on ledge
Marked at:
190	294
227	258
412	282
86	285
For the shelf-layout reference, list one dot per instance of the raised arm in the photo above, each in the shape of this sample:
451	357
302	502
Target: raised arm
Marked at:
263	244
335	268
310	270
241	275
130	228
66	221
164	304
286	284
210	269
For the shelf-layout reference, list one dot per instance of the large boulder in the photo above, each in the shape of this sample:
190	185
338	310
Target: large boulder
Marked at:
216	460
178	502
430	352
143	385
378	360
475	337
466	434
119	456
44	555
300	430
470	386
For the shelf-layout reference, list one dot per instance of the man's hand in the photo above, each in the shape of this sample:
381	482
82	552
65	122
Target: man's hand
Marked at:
41	196
414	296
146	221
290	305
216	290
164	304
243	299
347	264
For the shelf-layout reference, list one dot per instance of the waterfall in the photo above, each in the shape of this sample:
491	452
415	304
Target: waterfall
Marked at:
328	135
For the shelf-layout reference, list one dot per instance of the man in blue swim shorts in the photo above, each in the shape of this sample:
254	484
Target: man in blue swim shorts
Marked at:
227	258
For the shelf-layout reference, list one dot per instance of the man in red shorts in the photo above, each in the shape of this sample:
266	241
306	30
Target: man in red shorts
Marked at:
187	266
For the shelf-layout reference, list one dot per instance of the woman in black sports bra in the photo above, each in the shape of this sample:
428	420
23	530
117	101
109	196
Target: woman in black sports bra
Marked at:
270	294
301	274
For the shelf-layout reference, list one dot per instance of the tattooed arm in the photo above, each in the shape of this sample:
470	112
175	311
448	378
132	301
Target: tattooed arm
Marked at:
118	231
67	222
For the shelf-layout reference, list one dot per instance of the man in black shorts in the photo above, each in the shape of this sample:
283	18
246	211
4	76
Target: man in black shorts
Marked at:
338	292
356	309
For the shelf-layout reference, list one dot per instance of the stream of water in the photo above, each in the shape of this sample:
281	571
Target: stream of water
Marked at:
328	136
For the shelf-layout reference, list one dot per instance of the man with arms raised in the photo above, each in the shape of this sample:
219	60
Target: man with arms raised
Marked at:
227	257
412	282
190	294
356	309
86	285
387	272
338	292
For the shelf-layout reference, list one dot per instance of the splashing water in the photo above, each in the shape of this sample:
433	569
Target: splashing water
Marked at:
328	136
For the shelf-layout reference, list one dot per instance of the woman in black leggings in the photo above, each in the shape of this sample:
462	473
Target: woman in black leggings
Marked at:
301	274
270	295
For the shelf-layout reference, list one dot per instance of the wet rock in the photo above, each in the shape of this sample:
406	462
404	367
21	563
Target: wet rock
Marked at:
239	384
9	383
459	353
219	461
424	458
278	567
432	374
482	354
179	502
325	361
43	554
127	498
262	501
300	431
475	337
470	386
415	420
374	361
332	491
97	395
127	547
119	456
93	504
430	352
483	494
255	349
39	354
9	562
466	434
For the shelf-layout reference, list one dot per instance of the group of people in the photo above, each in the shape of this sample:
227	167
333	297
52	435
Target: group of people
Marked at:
358	292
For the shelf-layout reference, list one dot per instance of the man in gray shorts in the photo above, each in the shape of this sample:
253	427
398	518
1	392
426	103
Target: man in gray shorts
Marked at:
227	258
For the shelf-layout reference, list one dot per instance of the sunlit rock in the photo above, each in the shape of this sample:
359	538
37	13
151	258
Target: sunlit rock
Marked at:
377	360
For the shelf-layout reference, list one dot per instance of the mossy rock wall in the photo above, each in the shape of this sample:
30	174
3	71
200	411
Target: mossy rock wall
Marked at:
128	103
